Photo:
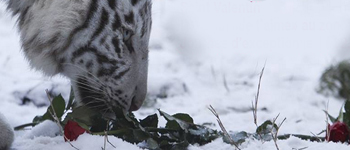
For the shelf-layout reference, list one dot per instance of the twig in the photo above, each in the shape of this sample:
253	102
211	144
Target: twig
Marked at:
222	127
275	135
104	141
106	137
318	139
303	137
226	85
21	127
57	121
255	103
327	123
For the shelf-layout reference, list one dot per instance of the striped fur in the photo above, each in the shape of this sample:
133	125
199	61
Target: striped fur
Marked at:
101	45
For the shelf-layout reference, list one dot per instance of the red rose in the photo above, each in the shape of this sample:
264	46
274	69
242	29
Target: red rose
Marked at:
338	132
72	130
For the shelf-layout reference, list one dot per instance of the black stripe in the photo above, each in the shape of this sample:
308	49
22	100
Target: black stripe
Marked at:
101	58
104	19
134	2
115	42
92	9
117	23
129	46
104	59
144	28
144	13
107	71
129	18
22	17
111	3
123	101
54	39
78	53
61	62
88	65
121	74
118	92
103	40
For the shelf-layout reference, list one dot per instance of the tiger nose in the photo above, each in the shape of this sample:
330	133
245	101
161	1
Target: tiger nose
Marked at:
138	99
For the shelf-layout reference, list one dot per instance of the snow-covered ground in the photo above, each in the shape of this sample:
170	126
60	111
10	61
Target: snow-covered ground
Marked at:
206	52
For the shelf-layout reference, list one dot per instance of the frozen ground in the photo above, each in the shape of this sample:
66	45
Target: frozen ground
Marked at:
196	47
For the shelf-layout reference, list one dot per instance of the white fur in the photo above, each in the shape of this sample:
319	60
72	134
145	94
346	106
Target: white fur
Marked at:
50	18
6	134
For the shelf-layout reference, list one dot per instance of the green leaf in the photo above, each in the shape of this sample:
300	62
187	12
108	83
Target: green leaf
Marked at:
98	124
140	135
335	80
39	119
164	143
150	121
173	125
58	104
347	106
347	112
346	119
83	115
128	134
184	117
341	115
331	118
202	135
238	137
152	144
266	127
83	125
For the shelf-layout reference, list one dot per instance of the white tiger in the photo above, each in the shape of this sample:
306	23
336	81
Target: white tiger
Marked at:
101	45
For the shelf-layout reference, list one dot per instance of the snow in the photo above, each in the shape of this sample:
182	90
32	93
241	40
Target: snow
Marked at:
84	142
198	46
47	129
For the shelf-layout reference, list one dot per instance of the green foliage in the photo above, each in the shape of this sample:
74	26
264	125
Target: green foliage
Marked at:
335	81
58	104
240	137
179	132
343	116
150	121
331	118
266	127
346	114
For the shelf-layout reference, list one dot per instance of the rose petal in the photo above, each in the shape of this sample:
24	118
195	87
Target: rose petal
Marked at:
72	130
338	132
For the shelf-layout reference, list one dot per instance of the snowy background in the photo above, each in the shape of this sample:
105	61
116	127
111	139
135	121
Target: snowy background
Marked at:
206	52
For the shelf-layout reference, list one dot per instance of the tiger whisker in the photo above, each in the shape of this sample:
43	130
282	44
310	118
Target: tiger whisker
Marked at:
82	69
88	86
